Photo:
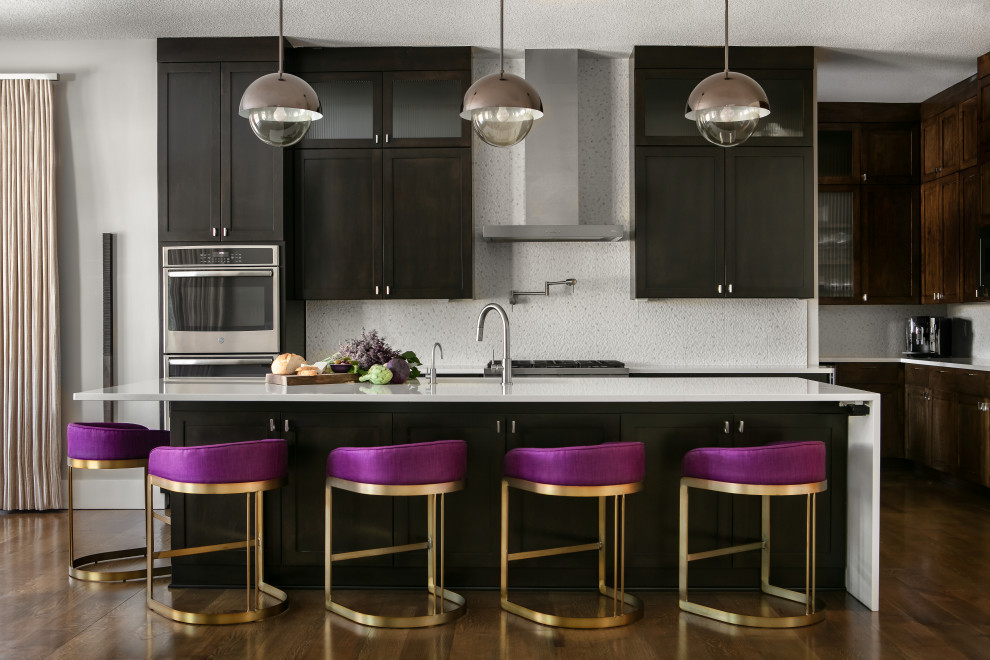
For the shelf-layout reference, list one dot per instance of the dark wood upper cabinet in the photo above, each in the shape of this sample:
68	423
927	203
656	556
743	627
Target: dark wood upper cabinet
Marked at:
680	222
948	122
940	241
428	231
889	244
338	246
941	144
983	110
971	223
189	109
769	235
968	133
931	148
838	154
217	181
889	153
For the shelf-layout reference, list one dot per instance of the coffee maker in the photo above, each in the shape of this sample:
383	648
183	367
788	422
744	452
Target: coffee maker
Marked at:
928	336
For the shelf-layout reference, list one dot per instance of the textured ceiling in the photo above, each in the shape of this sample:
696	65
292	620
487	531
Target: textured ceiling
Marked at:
872	50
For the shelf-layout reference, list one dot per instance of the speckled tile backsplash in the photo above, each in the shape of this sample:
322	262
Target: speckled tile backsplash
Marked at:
867	330
597	319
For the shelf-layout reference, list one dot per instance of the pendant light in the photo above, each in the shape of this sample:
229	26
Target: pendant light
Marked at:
280	106
727	106
502	107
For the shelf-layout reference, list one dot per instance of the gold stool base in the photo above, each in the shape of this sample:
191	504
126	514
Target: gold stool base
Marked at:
634	613
754	621
420	621
224	618
77	570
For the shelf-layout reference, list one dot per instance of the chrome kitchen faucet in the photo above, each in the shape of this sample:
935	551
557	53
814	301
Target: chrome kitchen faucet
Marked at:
506	362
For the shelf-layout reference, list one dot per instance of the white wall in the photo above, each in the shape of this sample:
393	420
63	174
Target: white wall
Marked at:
598	319
105	142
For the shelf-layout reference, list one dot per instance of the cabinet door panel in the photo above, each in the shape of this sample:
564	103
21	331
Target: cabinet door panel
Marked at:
973	432
917	423
338	223
971	223
251	170
944	443
931	148
951	240
889	250
949	133
839	248
359	521
680	225
931	242
352	110
189	152
428	233
769	222
838	154
890	154
968	123
422	109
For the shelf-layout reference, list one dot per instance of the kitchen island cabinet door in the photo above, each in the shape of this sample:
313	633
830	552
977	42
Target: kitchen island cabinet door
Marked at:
428	232
338	247
542	521
473	542
653	514
189	109
787	514
769	222
679	228
360	522
973	419
209	519
917	424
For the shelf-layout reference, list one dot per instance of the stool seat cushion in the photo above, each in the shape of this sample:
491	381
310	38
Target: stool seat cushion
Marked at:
436	462
112	441
227	463
775	464
607	464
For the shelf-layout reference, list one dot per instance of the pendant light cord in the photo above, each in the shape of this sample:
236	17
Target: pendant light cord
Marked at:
726	39
282	50
501	40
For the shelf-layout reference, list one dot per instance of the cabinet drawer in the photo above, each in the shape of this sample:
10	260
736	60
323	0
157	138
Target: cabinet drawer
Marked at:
943	378
971	381
850	373
916	374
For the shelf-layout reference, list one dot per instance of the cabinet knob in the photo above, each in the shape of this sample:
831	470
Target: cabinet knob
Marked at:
730	288
863	177
376	138
386	290
376	289
720	288
386	138
864	295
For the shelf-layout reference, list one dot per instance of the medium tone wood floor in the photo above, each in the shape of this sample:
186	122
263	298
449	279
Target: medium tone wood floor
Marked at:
934	586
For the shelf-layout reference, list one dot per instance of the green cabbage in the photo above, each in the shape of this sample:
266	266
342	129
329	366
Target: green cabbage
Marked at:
378	374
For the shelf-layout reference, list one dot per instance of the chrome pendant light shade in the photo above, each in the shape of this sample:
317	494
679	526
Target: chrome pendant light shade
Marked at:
279	106
502	107
727	106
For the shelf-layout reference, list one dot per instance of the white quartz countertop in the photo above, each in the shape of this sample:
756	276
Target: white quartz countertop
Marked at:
490	390
957	363
645	369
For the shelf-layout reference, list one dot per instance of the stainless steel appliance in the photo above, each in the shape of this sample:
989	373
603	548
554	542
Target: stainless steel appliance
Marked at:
217	366
220	299
928	336
559	368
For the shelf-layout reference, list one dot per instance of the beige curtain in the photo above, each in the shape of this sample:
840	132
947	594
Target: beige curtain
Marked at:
29	360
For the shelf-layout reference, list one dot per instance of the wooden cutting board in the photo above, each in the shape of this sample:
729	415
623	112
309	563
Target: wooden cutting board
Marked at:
320	379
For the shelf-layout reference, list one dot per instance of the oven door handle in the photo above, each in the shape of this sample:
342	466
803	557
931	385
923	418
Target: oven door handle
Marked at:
220	273
186	362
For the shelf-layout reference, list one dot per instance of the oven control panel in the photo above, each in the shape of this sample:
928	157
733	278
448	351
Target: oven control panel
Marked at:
235	255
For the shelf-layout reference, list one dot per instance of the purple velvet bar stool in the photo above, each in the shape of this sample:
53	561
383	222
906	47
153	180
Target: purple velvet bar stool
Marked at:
612	469
251	467
109	446
781	468
425	468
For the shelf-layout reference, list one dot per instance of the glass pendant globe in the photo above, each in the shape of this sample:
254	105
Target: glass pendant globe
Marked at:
729	125
500	126
727	107
278	126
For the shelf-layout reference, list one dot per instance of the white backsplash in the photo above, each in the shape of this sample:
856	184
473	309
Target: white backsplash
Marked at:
597	319
867	330
978	314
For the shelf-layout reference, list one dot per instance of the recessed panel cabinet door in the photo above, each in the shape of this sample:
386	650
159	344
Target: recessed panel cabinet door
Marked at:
971	222
932	242
890	154
338	224
428	233
944	442
951	198
769	244
917	423
680	222
189	152
889	250
973	419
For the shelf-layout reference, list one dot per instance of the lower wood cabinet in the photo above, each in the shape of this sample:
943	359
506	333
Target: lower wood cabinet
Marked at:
917	423
887	380
973	432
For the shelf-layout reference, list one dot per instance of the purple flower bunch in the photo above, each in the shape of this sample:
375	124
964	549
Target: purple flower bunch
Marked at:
369	349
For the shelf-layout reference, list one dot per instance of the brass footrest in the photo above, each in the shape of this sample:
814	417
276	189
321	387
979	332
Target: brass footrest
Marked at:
224	618
754	621
76	571
622	617
420	621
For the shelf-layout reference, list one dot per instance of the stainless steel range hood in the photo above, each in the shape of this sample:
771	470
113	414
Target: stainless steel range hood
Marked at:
552	159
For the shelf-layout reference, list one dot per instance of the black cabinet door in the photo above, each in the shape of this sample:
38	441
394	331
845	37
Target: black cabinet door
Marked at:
680	223
889	154
338	224
189	109
422	109
208	519
889	250
653	515
251	171
769	222
360	522
428	235
472	528
787	514
352	110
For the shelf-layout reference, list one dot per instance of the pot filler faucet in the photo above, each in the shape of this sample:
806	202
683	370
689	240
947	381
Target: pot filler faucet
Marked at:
506	362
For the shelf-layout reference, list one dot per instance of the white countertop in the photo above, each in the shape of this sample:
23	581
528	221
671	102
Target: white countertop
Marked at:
489	390
956	363
645	368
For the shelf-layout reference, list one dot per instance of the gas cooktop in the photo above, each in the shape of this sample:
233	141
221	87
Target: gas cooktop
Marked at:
559	368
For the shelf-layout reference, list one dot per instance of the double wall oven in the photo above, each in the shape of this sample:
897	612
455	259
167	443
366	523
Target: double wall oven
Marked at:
220	311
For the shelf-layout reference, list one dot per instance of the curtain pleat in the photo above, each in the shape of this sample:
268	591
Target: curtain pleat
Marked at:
30	438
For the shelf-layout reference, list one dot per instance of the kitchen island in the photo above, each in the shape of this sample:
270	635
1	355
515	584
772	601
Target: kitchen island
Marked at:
670	415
